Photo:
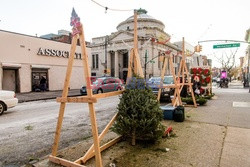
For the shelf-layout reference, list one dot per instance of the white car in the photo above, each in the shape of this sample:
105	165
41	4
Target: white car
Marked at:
7	100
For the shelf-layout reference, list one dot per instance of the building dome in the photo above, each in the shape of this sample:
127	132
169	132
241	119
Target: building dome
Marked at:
144	21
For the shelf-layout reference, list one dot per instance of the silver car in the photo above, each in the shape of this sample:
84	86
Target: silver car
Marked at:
155	83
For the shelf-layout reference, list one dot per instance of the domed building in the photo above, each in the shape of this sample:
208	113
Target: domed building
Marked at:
111	53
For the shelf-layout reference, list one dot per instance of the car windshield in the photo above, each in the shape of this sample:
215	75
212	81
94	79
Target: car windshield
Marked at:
168	80
154	79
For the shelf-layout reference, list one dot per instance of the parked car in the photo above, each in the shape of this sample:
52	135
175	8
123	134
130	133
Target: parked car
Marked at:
7	100
155	83
103	85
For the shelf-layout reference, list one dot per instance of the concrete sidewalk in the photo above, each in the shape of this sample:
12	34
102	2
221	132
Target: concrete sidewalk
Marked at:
34	96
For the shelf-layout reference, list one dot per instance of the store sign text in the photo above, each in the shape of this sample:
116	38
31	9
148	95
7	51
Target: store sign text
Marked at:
57	53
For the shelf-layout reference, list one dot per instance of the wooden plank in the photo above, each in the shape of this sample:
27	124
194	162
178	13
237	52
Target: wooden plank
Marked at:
170	86
162	77
80	99
64	162
138	62
92	114
103	95
130	66
101	136
64	94
105	146
135	42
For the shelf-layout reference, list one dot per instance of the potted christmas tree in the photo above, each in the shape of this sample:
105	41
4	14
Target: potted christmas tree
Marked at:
139	114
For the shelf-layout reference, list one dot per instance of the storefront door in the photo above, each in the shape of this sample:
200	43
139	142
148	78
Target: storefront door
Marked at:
9	80
37	75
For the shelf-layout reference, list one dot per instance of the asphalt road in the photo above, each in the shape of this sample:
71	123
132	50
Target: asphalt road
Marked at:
27	130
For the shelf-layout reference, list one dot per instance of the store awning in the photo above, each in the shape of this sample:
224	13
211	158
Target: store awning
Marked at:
40	66
11	65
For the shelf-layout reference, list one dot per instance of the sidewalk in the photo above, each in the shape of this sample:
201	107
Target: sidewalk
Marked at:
34	96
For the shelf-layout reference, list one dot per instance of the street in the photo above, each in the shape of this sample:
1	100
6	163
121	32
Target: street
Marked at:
27	130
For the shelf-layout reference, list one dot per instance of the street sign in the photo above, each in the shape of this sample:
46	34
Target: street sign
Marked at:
230	45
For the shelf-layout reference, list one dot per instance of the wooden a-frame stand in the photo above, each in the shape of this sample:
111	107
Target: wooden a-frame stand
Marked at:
182	72
177	96
95	149
134	66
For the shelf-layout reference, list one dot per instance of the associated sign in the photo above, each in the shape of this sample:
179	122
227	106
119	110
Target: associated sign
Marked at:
57	53
230	45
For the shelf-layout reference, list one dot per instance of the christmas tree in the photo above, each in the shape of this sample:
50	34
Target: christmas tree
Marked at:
139	113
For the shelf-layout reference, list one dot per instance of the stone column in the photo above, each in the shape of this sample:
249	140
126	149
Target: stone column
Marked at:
116	64
109	61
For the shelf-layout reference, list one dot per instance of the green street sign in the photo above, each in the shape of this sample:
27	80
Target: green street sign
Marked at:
230	45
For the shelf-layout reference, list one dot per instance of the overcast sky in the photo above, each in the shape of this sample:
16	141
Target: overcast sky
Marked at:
196	20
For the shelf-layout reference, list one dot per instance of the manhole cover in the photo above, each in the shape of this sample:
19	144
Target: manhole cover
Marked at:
241	104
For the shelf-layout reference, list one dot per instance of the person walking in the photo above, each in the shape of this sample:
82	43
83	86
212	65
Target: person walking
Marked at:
196	86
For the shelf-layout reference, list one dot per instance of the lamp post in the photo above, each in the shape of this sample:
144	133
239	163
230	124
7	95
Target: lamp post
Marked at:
248	66
106	43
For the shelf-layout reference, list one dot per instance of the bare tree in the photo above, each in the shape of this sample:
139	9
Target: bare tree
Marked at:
228	62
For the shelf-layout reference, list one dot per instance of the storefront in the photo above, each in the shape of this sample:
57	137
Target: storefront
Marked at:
25	60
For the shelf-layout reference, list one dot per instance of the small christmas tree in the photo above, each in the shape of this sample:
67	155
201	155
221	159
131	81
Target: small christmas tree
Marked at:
139	113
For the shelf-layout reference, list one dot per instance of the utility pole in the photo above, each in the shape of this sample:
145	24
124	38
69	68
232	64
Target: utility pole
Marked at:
248	67
145	64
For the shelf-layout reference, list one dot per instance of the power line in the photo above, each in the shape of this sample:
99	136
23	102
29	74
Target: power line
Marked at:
223	40
113	9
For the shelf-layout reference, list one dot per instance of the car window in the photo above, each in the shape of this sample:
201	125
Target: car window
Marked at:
168	80
98	81
111	80
154	79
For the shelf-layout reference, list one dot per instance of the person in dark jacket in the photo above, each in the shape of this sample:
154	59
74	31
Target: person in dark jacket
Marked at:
43	84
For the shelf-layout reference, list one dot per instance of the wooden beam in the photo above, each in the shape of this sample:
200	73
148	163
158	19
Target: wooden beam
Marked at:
64	162
135	42
103	95
80	99
100	137
64	94
130	65
162	77
92	114
105	146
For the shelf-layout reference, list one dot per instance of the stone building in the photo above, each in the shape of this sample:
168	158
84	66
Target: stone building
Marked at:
111	53
25	59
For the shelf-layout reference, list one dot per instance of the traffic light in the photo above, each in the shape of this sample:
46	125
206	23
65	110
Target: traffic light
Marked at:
198	48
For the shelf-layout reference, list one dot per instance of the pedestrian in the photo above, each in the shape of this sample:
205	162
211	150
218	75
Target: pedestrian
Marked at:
43	84
196	86
184	91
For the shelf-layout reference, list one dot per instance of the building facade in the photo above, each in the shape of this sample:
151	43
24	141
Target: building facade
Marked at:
247	60
24	60
112	51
